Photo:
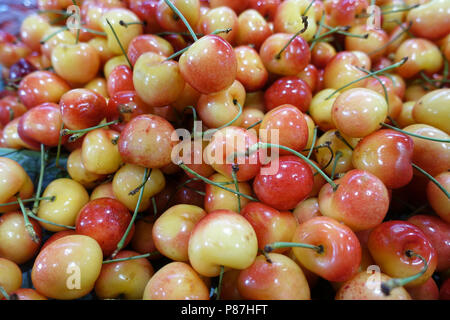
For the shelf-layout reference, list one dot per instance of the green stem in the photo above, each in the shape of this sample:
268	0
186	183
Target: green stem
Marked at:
393	66
28	224
336	159
178	53
41	178
58	151
308	7
392	40
313	142
35	217
429	176
319	30
342	30
387	286
76	134
126	24
281	245
136	190
234	170
340	137
219	285
136	210
53	34
131	258
4	293
99	33
179	14
212	131
27	200
414	134
305	23
120	44
254	125
155	207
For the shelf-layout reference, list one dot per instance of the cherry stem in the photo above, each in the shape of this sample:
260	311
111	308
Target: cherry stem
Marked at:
99	33
179	14
414	134
178	53
393	66
313	142
219	285
60	12
340	137
319	30
404	30
254	125
429	176
4	293
342	30
266	255
336	159
234	170
212	131
308	7
126	24
132	258
155	207
280	245
58	151
219	185
120	44
32	215
130	225
53	34
41	178
76	134
365	15
28	224
305	23
387	286
52	198
194	116
136	190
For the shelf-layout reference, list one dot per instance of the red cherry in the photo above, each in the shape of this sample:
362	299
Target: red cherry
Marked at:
288	90
120	79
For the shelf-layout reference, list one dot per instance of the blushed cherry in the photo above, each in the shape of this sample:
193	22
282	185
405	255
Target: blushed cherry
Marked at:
253	29
306	210
289	18
12	178
170	21
267	8
288	90
431	109
148	42
49	44
98	85
322	53
311	76
12	50
113	63
56	236
429	20
32	30
250	69
101	45
10	109
142	240
120	79
320	109
78	171
220	18
188	97
237	5
437	199
341	70
146	11
11	138
10	276
250	117
405	118
374	45
104	190
427	291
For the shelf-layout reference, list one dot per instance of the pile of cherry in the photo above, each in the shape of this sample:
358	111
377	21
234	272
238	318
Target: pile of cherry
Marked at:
352	94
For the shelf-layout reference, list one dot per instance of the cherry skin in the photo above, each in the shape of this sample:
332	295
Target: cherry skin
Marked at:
26	294
220	18
58	235
427	291
289	18
306	210
341	254
267	8
253	29
146	141
322	53
287	186
250	69
146	11
430	20
388	243
288	90
279	279
386	154
169	21
270	224
148	42
142	241
431	110
10	109
120	79
82	108
341	70
20	69
437	199
10	276
209	65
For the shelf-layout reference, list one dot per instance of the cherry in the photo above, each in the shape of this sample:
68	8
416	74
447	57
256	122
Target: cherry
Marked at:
291	17
32	30
146	11
253	29
429	20
342	69
20	69
10	277
98	85
250	69
10	109
374	45
56	236
267	8
437	199
288	90
120	79
321	54
220	18
430	109
101	45
306	210
148	42
237	5
190	9
427	291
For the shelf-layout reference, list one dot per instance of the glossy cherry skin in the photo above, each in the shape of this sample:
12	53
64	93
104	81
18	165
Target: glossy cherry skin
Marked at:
427	291
10	277
438	232
288	90
386	154
146	141
56	236
148	42
341	70
437	199
20	69
217	19
267	8
291	182
82	108
10	109
341	256
430	20
250	69
280	279
146	11
388	243
104	220
120	79
253	28
209	65
270	224
361	201
41	86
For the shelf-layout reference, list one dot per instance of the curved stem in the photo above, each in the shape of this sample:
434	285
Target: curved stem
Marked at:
35	217
312	143
58	152
79	133
336	159
27	200
120	44
305	23
179	14
4	293
212	131
136	210
131	258
429	176
219	185
178	53
340	137
28	225
280	245
235	169
414	134
53	34
136	190
387	286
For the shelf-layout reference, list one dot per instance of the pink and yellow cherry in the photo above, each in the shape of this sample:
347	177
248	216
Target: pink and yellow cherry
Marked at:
438	232
321	54
176	281
146	11
361	201
405	118
104	190
320	109
41	86
209	65
250	69
359	112
11	138
427	291
10	276
288	90
431	109
220	18
386	154
402	250
128	178
253	29
437	199
57	37
12	179
269	224
95	145
423	55
252	117
41	124
310	75
15	241
124	33
148	42
124	279
56	236
32	31
289	18
113	63
342	70
306	210
217	198
267	8
325	247
10	109
75	63
430	20
290	182
222	238
285	125
101	45
120	79
152	73
431	156
147	141
26	294
366	286
237	5
374	45
142	240
188	97
279	279
69	197
11	50
292	60
170	21
72	262
226	153
220	108
82	108
172	230
98	85
342	12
